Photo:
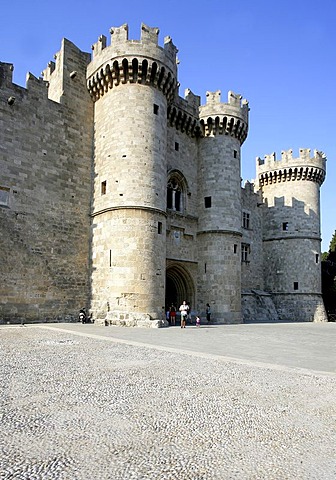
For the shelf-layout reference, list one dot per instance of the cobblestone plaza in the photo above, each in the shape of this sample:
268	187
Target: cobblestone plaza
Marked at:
218	402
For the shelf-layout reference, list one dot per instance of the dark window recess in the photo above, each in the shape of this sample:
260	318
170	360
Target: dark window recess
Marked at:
235	248
159	227
207	202
235	153
156	109
205	268
245	251
246	220
296	285
317	258
110	258
177	146
103	188
285	226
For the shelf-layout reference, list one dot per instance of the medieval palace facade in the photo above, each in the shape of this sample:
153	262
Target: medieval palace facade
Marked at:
118	195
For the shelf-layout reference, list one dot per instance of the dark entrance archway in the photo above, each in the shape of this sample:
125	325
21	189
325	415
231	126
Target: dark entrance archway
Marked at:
179	285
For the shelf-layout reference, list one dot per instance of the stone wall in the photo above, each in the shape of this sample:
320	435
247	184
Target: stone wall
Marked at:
45	164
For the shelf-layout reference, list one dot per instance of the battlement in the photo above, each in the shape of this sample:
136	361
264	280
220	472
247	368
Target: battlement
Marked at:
305	166
270	162
229	118
122	46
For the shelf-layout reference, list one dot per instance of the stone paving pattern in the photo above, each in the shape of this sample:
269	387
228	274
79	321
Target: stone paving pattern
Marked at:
88	402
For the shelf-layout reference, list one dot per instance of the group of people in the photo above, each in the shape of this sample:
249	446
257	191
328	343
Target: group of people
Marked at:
184	310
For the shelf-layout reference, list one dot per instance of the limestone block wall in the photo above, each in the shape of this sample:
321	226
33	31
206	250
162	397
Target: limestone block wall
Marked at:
252	269
45	174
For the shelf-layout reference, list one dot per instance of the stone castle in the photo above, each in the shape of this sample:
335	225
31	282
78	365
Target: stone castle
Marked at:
118	195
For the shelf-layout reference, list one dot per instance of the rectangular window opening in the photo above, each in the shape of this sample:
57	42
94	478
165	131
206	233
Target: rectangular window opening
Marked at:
296	285
207	202
159	228
205	268
235	153
156	109
317	258
246	220
285	226
235	248
4	196
110	258
245	251
103	188
177	146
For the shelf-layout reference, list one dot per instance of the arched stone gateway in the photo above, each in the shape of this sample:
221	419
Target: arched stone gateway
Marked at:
179	284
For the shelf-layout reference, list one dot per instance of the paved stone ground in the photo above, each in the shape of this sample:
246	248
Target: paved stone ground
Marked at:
227	402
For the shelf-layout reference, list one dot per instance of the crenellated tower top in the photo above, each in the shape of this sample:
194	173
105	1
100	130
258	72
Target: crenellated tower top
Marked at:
231	118
305	167
134	61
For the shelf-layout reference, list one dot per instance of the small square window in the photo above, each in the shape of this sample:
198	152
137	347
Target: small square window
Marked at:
177	146
285	226
103	188
4	196
296	285
207	202
156	109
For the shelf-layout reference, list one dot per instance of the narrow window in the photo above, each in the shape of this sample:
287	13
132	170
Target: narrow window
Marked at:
205	268
103	188
246	220
110	258
296	285
207	202
317	258
235	153
285	226
159	227
156	109
235	248
245	250
177	146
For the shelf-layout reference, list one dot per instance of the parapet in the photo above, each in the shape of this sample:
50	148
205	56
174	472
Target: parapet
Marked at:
230	118
304	166
121	46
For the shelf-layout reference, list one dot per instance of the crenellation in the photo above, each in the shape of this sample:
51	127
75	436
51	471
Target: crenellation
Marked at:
6	74
99	45
149	35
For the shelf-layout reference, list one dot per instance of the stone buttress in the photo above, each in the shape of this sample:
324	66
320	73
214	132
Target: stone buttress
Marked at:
131	83
291	233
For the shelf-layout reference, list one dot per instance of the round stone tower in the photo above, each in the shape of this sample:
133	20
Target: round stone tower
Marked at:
224	128
131	83
291	233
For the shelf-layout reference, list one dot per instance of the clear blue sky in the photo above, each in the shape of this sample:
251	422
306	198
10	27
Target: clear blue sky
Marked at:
280	55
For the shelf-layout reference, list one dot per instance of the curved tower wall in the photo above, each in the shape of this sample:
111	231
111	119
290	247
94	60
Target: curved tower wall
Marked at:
131	83
224	128
291	236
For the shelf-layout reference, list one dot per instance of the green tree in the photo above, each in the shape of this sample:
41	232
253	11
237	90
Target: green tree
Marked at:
329	277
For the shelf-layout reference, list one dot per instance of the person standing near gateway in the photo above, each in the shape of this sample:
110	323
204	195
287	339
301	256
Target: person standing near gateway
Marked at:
208	312
184	309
